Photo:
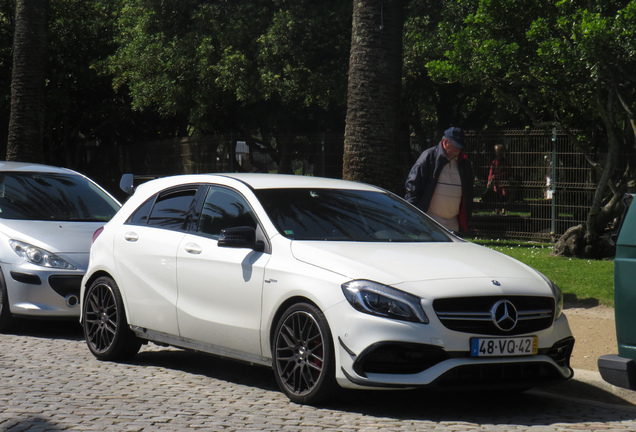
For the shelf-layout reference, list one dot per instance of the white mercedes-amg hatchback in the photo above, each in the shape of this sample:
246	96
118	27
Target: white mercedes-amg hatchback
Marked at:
331	283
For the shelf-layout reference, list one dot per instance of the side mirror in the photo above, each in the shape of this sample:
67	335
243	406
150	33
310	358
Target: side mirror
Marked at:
126	183
240	237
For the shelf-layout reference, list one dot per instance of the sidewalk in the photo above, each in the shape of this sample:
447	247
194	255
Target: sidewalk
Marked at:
595	333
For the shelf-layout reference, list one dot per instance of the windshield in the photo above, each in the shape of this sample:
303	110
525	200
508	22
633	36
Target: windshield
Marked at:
347	215
53	197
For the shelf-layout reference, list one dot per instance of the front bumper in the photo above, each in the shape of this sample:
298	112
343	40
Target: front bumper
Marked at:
42	293
441	370
381	353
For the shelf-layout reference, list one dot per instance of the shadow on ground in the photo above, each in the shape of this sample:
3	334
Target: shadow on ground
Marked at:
570	401
47	328
572	301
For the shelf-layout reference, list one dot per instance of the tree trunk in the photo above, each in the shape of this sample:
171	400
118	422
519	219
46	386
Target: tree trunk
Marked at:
587	240
373	106
26	123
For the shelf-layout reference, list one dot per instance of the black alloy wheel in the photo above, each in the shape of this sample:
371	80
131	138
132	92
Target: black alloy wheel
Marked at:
104	322
304	363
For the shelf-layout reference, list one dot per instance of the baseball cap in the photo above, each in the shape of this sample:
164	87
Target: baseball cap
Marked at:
456	135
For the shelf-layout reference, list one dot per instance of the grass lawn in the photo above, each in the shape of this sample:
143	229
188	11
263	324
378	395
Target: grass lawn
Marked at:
587	281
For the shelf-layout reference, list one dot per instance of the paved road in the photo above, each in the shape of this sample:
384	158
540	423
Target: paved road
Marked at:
50	382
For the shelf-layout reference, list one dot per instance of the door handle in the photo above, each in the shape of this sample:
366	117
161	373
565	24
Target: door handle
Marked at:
131	236
193	248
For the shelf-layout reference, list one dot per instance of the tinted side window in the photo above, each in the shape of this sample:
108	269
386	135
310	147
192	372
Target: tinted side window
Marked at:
224	208
171	209
140	216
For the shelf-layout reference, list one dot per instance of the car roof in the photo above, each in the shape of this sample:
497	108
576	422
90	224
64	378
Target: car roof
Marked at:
32	167
255	181
276	181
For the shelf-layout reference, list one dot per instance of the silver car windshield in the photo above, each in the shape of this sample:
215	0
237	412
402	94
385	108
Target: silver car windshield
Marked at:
53	197
347	215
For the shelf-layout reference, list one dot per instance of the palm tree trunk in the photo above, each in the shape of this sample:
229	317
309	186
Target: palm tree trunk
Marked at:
26	123
375	69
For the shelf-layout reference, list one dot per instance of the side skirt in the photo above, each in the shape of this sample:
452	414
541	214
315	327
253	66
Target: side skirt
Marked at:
180	342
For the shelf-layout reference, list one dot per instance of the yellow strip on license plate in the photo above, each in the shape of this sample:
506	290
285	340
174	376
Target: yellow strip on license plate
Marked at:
503	347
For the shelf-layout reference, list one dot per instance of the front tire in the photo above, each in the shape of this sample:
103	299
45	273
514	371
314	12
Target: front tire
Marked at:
6	318
104	322
303	354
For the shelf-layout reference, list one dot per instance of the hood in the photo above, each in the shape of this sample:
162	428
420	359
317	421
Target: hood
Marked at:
56	237
395	263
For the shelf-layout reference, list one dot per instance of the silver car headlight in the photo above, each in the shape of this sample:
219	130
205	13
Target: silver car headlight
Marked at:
558	296
384	301
39	256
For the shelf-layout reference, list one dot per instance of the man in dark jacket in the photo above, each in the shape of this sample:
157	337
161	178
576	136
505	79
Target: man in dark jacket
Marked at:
441	182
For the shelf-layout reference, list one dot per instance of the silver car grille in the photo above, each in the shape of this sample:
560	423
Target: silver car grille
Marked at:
496	315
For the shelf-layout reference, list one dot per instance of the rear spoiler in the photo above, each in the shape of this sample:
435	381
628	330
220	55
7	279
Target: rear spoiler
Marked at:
128	181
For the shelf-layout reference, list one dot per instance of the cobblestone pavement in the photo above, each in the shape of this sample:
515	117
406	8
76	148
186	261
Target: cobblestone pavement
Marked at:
50	382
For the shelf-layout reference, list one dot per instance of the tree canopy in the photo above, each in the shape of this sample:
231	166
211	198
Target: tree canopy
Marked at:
123	71
563	63
225	64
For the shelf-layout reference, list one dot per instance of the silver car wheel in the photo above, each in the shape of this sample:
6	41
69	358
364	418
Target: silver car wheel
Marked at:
5	313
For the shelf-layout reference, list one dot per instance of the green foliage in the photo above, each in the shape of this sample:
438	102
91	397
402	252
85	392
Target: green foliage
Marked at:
433	101
76	41
580	279
546	59
207	60
155	59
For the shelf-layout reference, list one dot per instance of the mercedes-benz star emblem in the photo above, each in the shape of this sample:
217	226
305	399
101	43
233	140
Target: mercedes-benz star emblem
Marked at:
504	315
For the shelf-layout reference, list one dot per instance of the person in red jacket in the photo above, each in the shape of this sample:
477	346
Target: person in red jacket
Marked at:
496	192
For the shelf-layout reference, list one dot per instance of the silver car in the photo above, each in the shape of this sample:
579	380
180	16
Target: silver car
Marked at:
47	219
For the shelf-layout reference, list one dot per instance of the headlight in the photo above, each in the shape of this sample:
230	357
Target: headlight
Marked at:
558	296
384	301
39	256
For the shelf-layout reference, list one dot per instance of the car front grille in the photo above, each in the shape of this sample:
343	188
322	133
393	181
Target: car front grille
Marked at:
477	314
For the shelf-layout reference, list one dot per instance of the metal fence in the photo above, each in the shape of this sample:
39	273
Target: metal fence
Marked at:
549	186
